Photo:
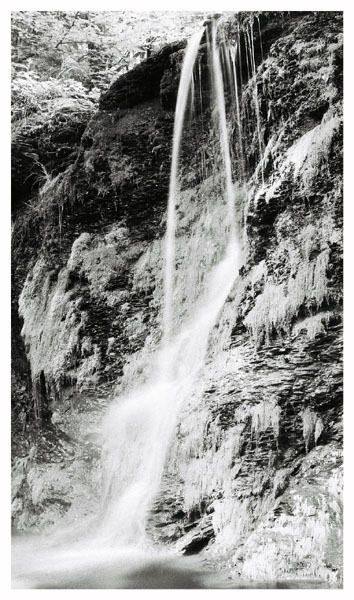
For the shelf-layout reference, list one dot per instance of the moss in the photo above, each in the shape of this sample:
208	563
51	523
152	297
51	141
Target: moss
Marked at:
87	373
258	273
100	261
51	307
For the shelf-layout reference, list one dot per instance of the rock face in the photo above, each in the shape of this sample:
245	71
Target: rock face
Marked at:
253	476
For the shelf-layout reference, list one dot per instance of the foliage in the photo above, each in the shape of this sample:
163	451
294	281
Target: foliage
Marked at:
89	44
65	58
69	54
47	205
46	98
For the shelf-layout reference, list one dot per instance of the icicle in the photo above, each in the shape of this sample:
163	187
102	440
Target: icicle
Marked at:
248	55
227	66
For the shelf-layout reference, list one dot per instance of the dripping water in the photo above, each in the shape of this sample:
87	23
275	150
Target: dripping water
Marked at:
192	100
250	44
224	138
260	36
233	55
202	157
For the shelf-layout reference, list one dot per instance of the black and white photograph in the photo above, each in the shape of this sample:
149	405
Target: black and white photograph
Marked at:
176	298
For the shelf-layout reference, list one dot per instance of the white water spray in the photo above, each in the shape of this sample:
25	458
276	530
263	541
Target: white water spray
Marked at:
138	429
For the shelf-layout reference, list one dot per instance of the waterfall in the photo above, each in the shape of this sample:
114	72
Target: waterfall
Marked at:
139	427
202	156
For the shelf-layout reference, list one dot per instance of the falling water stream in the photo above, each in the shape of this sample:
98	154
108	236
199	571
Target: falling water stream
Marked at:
139	427
184	88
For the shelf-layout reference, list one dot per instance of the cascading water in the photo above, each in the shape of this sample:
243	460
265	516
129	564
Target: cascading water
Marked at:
139	428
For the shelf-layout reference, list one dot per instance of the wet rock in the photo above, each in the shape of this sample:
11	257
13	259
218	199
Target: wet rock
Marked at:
141	83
